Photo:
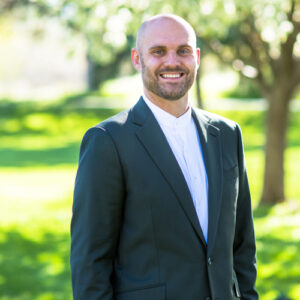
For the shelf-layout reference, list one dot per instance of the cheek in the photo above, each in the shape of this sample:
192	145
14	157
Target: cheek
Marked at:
152	69
191	61
193	64
152	62
193	67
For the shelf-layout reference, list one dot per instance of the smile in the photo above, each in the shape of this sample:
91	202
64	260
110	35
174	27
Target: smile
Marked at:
171	75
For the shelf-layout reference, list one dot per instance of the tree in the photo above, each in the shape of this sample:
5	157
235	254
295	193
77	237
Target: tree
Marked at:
263	43
105	28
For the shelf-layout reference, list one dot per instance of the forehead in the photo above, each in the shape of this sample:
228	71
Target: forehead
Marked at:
167	33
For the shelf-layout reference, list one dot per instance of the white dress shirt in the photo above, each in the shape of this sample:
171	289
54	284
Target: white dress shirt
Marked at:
182	136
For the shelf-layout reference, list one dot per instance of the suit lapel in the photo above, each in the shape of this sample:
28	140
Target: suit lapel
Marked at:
211	149
152	138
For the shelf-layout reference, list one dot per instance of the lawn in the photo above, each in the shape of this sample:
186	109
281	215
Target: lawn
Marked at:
39	147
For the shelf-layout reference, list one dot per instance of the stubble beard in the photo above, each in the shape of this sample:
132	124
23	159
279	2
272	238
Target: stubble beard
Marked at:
151	83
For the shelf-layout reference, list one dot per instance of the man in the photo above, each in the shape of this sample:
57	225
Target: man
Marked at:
161	203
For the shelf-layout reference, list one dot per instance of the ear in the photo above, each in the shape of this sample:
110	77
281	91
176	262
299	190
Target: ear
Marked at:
136	59
198	57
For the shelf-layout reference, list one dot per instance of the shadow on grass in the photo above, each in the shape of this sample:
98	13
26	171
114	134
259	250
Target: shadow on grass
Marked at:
34	270
59	108
13	157
262	211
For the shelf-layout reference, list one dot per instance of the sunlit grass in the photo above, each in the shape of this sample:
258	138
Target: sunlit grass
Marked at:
27	195
278	242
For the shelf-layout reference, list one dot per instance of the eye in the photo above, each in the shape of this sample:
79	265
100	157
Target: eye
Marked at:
158	52
184	51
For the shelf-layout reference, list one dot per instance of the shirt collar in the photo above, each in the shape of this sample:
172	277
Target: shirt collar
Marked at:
166	119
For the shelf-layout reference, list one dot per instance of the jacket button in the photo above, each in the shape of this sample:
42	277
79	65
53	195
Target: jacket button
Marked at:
210	260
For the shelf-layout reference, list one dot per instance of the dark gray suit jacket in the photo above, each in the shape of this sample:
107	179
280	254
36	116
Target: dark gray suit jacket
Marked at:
135	232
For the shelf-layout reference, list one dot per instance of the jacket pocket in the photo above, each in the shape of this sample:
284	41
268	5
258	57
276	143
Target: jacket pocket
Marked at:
150	293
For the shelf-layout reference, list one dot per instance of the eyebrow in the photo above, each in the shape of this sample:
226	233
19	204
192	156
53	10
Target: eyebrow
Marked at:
164	47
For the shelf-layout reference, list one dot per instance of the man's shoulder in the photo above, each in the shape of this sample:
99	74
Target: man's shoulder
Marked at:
117	127
115	121
106	131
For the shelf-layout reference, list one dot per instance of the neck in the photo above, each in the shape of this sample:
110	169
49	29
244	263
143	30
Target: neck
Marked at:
173	107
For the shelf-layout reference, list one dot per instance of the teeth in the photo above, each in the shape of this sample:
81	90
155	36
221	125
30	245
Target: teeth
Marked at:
170	75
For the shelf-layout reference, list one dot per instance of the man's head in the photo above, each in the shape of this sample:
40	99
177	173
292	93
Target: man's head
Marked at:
167	57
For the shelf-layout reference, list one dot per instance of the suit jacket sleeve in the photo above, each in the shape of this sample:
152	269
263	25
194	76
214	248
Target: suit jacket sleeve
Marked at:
97	212
244	249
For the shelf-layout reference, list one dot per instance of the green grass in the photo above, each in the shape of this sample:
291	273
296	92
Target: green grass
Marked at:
38	158
278	244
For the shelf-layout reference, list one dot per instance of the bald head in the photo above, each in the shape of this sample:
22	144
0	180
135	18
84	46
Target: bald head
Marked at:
163	18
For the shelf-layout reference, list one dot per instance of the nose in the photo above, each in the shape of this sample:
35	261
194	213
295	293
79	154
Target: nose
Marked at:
171	59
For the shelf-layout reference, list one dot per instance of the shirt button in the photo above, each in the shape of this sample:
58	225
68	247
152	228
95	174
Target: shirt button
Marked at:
210	260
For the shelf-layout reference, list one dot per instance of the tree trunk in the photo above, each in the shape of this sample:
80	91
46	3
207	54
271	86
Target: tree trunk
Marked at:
198	88
93	74
277	120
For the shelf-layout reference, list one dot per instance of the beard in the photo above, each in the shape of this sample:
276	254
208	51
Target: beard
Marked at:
177	91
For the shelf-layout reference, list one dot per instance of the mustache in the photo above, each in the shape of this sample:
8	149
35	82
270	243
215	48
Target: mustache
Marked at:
166	70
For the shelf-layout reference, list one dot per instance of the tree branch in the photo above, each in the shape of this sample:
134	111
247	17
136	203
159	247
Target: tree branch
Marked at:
287	61
261	44
259	78
255	60
292	10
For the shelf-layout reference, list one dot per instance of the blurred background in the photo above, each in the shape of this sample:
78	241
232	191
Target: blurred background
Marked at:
65	66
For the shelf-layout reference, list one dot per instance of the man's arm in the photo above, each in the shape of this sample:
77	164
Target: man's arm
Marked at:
244	249
97	213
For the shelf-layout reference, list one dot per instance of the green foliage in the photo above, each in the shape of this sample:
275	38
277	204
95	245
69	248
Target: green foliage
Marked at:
250	36
245	89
